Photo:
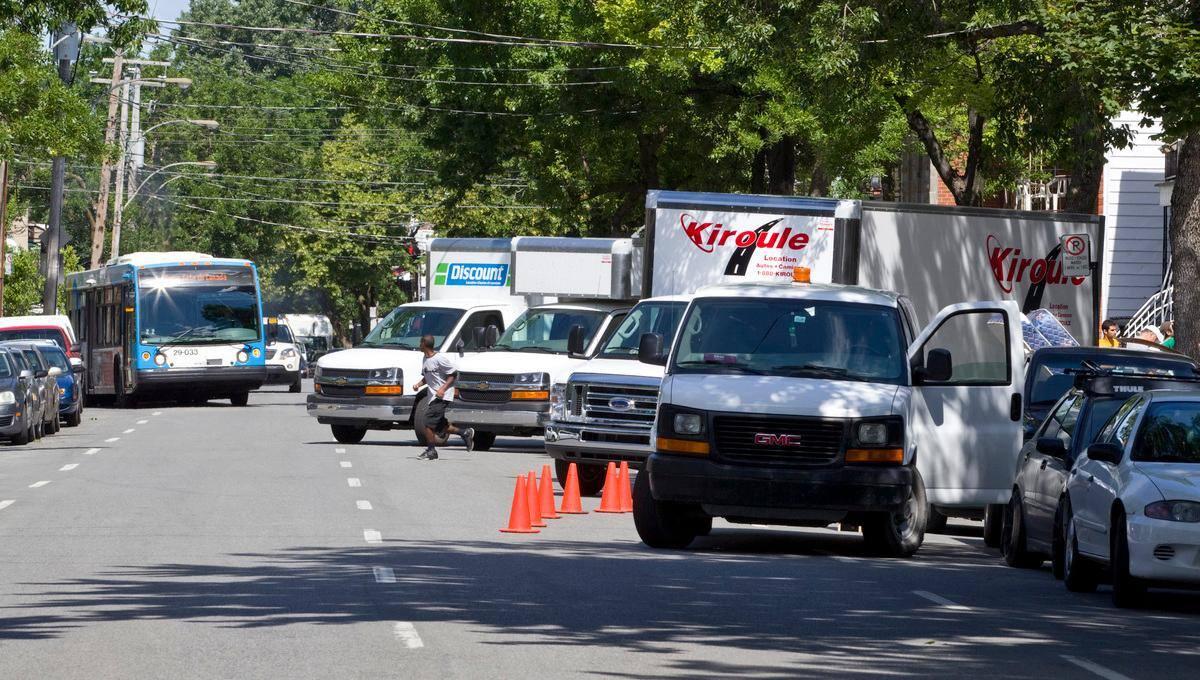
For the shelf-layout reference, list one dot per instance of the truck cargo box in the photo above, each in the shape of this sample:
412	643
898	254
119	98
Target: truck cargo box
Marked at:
595	268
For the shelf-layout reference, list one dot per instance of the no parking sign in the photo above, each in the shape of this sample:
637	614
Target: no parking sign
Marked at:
1076	254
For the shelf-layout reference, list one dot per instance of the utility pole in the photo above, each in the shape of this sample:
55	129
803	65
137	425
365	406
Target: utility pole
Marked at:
123	144
135	133
3	229
66	46
110	133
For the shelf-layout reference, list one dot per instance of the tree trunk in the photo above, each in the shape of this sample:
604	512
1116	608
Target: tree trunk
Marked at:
1087	158
1185	245
758	172
964	187
781	167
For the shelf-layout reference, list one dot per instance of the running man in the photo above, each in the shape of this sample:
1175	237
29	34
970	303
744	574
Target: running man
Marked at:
439	374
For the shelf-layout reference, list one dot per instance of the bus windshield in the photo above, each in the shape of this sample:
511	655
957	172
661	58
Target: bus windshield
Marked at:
198	305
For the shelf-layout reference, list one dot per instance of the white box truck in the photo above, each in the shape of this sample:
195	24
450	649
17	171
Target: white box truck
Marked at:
366	387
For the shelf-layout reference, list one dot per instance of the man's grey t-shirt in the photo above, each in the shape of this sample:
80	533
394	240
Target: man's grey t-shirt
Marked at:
436	370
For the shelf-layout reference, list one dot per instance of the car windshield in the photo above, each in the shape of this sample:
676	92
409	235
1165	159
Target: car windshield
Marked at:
548	330
794	338
1051	381
1170	433
283	334
6	370
403	328
647	317
198	305
32	334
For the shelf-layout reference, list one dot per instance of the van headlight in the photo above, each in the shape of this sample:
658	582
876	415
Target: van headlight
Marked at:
688	423
8	398
384	376
872	434
530	379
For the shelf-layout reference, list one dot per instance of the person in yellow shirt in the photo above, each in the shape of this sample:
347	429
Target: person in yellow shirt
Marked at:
1108	334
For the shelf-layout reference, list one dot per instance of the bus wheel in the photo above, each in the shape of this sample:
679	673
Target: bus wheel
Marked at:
239	398
348	434
120	399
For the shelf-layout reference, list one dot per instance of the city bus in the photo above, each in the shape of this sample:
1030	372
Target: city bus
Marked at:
178	324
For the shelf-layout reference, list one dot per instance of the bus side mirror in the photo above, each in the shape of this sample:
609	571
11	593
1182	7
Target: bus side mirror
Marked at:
492	336
650	349
575	346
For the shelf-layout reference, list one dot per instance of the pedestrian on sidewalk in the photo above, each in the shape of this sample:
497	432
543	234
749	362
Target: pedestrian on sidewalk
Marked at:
439	374
1108	334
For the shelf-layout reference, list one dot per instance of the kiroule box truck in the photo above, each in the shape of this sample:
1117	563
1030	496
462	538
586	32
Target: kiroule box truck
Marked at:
933	255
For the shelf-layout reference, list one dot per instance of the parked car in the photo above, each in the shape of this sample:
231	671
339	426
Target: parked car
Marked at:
68	373
56	327
47	384
35	391
1032	524
1132	508
18	413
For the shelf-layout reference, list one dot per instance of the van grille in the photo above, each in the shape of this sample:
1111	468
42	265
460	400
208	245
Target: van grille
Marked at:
615	405
820	441
344	391
485	396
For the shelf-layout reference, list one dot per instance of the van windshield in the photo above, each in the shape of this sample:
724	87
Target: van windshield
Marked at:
548	330
403	328
793	338
647	317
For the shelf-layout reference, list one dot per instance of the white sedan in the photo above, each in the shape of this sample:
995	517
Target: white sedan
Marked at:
1132	506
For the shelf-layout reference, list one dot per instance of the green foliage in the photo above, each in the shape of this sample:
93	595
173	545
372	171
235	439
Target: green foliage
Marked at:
23	286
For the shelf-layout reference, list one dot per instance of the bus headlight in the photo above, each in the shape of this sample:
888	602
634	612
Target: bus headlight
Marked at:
8	398
242	357
160	359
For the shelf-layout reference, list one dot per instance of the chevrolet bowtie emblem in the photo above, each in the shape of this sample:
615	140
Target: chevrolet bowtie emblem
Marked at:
483	385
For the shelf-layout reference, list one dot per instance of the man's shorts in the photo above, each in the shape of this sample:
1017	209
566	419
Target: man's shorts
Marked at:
435	414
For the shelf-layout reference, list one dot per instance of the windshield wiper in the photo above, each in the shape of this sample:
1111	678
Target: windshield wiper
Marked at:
193	329
535	348
397	345
813	368
502	348
740	368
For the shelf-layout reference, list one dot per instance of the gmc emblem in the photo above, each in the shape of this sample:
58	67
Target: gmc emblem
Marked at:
777	440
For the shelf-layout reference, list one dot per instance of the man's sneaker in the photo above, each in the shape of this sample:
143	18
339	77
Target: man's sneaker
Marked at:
468	436
428	454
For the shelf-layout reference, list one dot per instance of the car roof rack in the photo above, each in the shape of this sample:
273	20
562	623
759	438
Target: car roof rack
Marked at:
1098	380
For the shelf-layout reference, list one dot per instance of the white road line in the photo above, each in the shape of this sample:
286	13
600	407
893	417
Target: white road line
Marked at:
347	464
406	633
130	430
372	536
38	485
91	452
339	450
5	504
112	439
384	574
1096	668
142	422
363	505
68	467
354	481
839	558
156	413
938	599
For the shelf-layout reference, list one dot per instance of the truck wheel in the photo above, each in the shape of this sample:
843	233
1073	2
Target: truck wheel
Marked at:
993	525
936	523
1079	575
348	434
484	440
900	533
1128	590
296	386
239	398
660	524
1012	537
591	476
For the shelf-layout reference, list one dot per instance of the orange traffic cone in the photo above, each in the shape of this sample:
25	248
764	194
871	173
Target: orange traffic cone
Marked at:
518	517
611	500
531	493
570	500
546	495
625	488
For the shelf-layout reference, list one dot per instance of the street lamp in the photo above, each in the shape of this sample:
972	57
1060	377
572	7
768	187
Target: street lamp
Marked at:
119	208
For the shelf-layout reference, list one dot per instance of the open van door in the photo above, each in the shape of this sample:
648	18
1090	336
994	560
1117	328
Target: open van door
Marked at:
968	370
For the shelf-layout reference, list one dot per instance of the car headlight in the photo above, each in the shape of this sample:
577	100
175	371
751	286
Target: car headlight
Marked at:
688	423
872	434
525	379
8	398
558	401
384	376
288	353
1174	511
243	357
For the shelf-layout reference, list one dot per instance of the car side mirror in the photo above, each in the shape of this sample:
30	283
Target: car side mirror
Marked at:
77	368
459	346
575	347
1051	446
938	367
55	371
479	337
25	376
42	374
1106	452
650	349
491	336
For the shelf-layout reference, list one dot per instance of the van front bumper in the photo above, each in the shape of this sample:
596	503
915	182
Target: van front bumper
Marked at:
514	418
849	488
586	442
370	412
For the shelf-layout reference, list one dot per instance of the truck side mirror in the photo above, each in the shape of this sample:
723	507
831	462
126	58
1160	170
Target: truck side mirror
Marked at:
478	337
1106	452
938	367
1051	446
650	349
575	346
492	336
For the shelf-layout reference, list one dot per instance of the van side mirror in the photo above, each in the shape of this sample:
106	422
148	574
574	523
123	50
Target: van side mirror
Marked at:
1106	452
575	347
459	346
491	336
1051	446
650	349
478	337
938	367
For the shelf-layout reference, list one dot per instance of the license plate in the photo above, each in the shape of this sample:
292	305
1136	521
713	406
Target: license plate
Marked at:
214	362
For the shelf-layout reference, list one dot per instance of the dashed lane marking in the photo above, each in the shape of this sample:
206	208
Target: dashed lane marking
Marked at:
384	574
5	504
347	464
1106	673
130	430
156	413
406	633
339	450
112	439
938	599
38	485
68	467
142	422
372	536
354	481
363	505
91	452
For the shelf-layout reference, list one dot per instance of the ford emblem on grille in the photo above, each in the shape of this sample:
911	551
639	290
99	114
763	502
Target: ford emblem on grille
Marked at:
620	404
765	439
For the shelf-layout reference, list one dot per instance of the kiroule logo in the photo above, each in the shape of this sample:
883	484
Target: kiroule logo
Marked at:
1009	267
471	274
707	236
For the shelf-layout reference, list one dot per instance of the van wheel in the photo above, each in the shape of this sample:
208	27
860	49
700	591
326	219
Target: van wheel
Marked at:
348	434
1079	575
1012	537
1128	590
993	524
591	476
239	398
900	533
936	524
484	440
661	524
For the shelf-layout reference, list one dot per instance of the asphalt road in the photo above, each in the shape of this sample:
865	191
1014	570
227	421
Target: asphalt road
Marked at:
222	542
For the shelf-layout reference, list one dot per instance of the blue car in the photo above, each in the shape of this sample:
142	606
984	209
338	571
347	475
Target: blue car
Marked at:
69	377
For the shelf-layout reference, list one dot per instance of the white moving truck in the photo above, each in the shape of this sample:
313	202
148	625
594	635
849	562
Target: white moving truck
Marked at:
506	389
366	387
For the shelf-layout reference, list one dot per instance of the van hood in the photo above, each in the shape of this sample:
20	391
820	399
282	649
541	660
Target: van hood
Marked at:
559	366
370	357
631	367
777	395
1175	481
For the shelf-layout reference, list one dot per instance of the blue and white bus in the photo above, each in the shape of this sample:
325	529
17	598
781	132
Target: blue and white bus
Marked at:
185	324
